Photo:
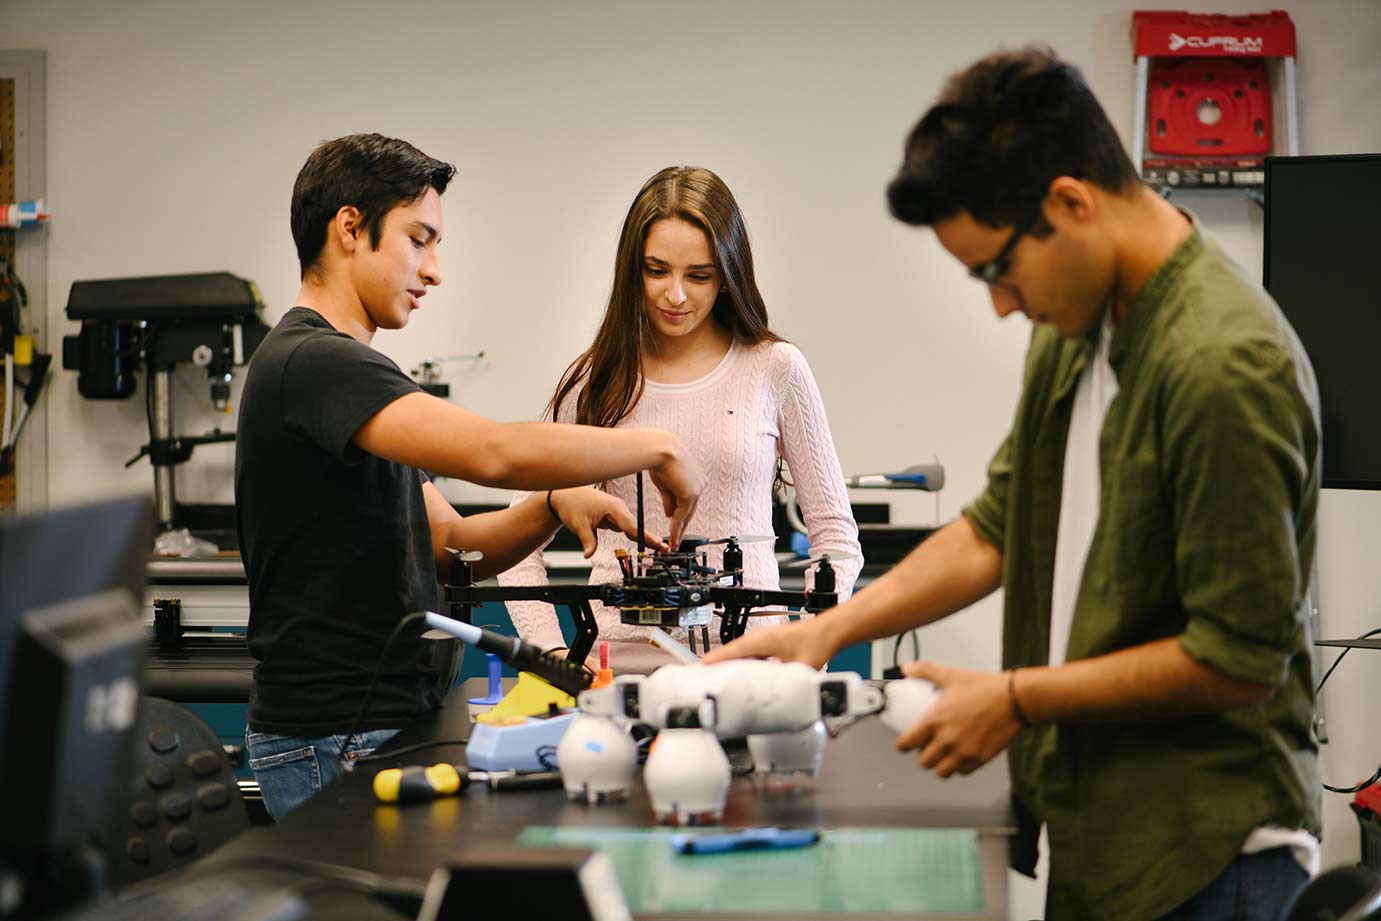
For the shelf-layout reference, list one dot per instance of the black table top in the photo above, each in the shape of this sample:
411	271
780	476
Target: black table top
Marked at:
864	782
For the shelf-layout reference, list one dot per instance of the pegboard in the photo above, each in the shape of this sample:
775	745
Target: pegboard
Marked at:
7	149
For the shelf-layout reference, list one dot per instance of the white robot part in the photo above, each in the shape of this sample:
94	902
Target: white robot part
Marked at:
735	699
597	758
908	699
687	776
787	753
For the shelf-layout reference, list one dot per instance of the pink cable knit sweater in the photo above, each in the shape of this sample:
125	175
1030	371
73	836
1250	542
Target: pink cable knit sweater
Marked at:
760	401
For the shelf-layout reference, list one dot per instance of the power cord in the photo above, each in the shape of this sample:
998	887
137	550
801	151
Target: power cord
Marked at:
895	671
915	647
407	621
546	756
1357	789
407	749
1365	636
1376	776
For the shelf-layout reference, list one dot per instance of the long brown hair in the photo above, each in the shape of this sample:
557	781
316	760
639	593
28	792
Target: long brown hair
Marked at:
612	366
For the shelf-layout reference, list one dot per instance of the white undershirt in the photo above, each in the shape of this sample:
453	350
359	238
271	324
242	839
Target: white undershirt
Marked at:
1079	499
1082	489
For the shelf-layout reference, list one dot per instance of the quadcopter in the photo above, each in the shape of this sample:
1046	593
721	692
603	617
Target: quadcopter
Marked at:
669	590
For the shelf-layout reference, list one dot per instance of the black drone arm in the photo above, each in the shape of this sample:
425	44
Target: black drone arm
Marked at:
738	601
551	594
739	597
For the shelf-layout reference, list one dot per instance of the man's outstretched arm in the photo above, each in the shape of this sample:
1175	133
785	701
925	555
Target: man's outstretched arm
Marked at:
429	433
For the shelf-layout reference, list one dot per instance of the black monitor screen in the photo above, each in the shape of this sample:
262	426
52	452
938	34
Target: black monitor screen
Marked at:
1323	250
63	555
71	646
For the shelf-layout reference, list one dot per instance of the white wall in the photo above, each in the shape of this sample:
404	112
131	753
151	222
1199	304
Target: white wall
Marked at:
176	129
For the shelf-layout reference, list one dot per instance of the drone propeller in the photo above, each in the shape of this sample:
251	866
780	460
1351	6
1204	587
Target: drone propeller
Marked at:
748	539
465	556
822	558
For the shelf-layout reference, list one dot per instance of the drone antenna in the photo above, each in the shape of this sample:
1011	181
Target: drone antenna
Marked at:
641	541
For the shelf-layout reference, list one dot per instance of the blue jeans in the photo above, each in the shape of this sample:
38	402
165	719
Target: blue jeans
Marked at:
1254	887
291	769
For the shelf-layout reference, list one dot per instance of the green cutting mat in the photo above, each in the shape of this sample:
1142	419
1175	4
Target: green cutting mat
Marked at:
877	870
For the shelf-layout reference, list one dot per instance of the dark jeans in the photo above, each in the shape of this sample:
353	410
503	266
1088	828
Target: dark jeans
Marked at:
1254	887
290	769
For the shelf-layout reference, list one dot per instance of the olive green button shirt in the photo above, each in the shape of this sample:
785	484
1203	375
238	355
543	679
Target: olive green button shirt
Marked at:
1209	460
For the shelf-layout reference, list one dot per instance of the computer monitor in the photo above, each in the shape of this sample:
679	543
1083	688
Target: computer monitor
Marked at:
1322	240
71	663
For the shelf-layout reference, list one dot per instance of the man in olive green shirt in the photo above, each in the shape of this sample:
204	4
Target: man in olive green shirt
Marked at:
1160	482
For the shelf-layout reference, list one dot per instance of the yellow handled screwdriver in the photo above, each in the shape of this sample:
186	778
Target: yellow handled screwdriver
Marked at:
418	784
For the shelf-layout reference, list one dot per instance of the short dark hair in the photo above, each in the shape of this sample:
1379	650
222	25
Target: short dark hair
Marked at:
369	171
1000	132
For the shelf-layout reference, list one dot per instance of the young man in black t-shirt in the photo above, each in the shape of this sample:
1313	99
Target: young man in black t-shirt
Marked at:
341	533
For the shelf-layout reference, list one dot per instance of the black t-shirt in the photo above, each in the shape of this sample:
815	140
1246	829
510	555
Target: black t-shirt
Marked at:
335	541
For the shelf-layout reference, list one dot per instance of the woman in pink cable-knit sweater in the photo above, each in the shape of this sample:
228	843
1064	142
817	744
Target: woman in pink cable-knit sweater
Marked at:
685	346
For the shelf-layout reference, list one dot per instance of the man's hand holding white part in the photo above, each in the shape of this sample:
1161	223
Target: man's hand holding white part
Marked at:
969	723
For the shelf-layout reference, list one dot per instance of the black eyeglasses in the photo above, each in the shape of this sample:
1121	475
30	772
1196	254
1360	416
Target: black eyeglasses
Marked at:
991	271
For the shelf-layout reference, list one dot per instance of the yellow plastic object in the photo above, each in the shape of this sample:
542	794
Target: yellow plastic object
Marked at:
443	778
23	351
414	784
531	696
489	719
386	784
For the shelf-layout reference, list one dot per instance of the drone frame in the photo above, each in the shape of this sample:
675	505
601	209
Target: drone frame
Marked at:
637	593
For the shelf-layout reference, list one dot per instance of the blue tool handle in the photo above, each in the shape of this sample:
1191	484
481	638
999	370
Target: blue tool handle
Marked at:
495	682
495	675
747	839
